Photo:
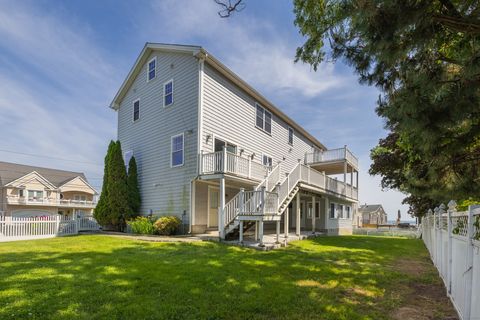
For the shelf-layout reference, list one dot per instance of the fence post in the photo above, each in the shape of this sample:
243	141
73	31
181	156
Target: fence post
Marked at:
57	231
435	235
469	263
452	205
75	226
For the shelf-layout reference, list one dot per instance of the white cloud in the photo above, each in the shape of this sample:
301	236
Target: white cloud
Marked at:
52	93
252	48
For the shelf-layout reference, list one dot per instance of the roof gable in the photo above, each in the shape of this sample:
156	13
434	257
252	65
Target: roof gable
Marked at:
77	184
28	178
217	65
13	171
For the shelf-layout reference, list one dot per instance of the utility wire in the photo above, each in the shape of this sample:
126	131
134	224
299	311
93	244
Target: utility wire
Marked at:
49	157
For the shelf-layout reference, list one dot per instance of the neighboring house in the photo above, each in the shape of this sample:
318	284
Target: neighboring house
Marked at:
201	135
370	215
27	191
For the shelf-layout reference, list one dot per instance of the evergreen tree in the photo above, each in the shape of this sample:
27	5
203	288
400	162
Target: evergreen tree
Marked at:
134	199
117	189
423	57
102	211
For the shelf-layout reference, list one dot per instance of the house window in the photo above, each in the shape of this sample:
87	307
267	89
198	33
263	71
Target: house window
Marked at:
332	210
263	119
152	67
340	211
219	145
168	93
34	195
290	136
347	210
136	110
177	150
20	193
78	197
267	160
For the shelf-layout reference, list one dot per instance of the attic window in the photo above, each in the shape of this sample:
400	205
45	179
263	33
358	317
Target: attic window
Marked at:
168	93
152	67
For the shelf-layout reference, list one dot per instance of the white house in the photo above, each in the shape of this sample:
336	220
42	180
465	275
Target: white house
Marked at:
28	191
215	152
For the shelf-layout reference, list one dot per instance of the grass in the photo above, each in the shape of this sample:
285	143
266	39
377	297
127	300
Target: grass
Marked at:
101	277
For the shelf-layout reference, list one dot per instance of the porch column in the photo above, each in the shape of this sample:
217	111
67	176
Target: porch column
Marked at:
240	232
345	177
260	233
285	222
221	211
297	210
357	179
327	214
278	232
351	177
313	214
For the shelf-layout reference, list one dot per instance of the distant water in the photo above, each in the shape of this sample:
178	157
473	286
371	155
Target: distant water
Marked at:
401	221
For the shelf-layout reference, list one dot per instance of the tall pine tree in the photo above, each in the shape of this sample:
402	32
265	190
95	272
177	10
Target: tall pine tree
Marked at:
102	211
134	199
117	189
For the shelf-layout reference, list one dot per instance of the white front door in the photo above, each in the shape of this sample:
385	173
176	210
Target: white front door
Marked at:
213	203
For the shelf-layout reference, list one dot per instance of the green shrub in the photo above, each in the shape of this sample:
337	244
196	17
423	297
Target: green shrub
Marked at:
142	225
167	225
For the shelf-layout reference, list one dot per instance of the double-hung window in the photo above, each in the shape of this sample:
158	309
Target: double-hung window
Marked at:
290	136
347	211
152	69
136	110
168	93
340	211
267	160
177	149
332	210
263	119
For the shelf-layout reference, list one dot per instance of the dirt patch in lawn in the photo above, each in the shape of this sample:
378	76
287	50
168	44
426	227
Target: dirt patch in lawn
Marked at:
413	267
423	296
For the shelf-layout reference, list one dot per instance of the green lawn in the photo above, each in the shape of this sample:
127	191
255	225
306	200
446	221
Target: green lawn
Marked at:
102	277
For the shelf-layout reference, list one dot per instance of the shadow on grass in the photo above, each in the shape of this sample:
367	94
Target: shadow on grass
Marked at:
99	277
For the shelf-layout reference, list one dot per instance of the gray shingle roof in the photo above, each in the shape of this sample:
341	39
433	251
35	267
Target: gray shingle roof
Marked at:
12	171
368	208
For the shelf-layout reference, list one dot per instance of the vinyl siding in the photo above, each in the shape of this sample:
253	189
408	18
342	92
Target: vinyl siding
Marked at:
164	190
229	113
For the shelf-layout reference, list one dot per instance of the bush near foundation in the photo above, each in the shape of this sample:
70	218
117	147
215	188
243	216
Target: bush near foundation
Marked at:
142	225
167	225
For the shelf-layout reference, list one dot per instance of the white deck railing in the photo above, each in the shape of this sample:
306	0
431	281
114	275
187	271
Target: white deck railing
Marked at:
16	200
227	162
331	155
30	228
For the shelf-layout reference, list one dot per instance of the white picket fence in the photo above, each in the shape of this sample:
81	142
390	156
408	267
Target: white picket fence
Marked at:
29	228
453	240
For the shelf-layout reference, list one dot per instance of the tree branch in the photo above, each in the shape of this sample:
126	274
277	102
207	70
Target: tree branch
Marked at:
229	7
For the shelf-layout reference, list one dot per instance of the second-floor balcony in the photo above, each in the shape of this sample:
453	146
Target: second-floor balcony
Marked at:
334	161
230	163
224	162
16	200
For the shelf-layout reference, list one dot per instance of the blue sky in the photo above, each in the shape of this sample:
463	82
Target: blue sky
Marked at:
61	63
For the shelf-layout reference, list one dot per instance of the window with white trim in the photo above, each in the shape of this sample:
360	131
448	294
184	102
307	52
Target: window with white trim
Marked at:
168	93
152	68
177	149
348	212
290	136
263	119
340	211
332	210
267	160
136	110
